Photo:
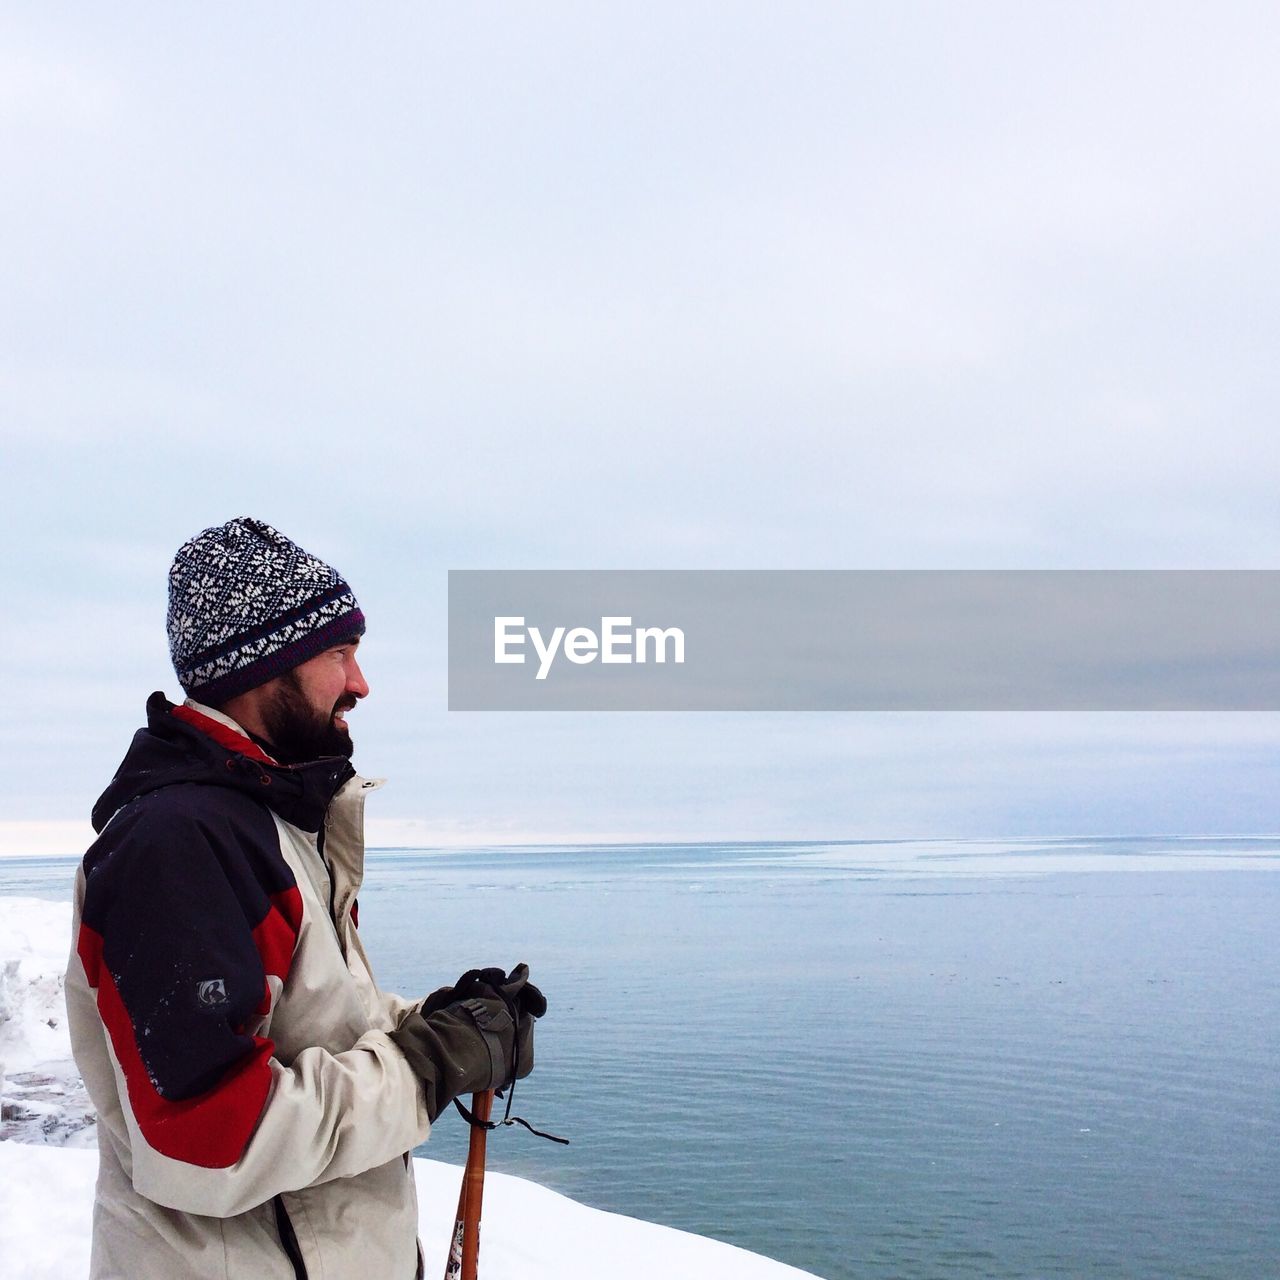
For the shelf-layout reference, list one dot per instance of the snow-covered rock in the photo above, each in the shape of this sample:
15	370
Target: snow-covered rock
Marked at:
41	1096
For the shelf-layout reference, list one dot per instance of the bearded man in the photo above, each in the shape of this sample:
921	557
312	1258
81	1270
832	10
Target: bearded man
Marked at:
257	1094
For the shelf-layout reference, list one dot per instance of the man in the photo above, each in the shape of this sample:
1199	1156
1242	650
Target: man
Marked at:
257	1094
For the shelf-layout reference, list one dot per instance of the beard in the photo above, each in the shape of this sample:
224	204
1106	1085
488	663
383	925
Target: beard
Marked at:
297	731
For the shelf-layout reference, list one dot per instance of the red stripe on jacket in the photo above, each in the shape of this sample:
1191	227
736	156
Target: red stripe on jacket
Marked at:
276	937
222	734
213	1128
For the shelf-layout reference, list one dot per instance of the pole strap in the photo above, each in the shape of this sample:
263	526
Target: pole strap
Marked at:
476	1123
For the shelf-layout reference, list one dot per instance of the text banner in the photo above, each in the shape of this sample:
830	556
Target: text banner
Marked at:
887	640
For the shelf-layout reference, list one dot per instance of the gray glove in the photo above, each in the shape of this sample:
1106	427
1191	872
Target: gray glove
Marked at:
470	1044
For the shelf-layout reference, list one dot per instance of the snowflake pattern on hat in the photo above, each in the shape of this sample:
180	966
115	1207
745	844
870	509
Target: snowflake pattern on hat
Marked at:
246	604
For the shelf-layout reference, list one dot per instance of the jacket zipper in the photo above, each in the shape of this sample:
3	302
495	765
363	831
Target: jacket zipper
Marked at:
289	1239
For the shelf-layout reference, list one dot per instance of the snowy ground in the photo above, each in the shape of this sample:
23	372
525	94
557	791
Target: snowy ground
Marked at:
46	1191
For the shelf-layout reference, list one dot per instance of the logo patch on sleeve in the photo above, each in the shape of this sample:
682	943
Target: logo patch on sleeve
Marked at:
212	991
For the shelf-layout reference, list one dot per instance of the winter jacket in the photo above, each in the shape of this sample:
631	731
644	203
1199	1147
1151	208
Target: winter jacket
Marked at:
254	1117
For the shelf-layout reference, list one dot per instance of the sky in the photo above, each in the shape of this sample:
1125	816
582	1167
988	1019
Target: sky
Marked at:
752	286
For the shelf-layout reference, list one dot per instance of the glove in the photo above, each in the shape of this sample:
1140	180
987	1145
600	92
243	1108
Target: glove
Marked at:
475	1035
515	989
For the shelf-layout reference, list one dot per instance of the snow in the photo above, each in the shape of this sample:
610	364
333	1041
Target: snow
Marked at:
529	1233
34	953
46	1184
42	1098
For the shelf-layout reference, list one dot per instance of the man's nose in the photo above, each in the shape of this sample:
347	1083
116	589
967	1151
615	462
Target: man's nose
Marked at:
356	683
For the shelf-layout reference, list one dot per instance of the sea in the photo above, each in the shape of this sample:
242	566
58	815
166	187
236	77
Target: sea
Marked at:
893	1059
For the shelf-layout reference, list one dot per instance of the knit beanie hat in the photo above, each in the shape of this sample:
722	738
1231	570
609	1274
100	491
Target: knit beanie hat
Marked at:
246	604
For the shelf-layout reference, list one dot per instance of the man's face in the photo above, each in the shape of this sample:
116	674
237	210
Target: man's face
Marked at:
304	713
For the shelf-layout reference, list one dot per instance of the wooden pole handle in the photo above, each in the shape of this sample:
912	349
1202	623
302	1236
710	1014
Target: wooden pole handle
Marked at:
464	1247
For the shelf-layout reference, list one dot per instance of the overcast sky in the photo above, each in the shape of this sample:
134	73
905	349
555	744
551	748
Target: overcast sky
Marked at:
739	286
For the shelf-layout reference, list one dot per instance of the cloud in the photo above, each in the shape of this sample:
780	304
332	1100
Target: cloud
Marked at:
847	287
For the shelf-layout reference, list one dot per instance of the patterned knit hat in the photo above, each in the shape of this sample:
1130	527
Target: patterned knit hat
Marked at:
246	605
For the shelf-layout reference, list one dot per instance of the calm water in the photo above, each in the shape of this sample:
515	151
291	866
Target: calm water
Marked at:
1003	1059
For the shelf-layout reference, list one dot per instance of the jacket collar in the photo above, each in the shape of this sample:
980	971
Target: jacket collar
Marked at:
222	729
195	744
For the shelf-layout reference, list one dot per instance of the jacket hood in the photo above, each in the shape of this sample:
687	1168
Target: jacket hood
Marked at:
172	749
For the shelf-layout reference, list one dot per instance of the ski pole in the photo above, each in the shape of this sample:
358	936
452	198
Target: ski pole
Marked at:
464	1245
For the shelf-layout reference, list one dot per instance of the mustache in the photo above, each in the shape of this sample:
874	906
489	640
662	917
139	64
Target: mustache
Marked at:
345	703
